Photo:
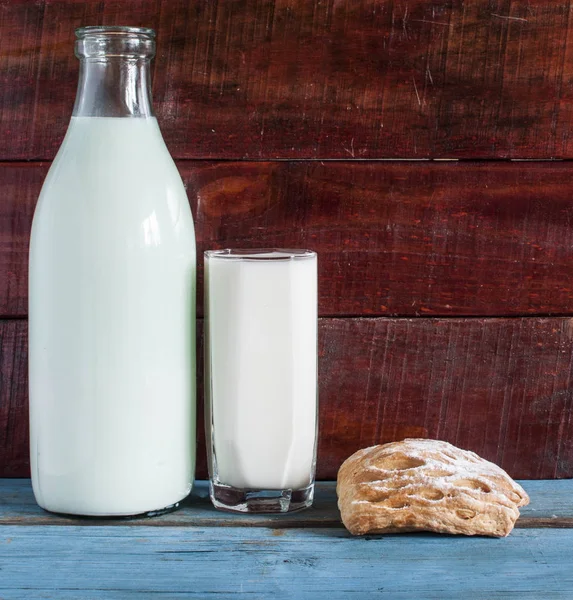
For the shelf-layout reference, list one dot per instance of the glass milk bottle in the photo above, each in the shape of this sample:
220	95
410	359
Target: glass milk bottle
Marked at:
112	299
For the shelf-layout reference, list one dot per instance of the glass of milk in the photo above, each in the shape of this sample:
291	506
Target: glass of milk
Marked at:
261	378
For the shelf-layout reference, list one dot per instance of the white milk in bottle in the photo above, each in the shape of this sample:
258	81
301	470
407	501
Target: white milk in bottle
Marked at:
112	297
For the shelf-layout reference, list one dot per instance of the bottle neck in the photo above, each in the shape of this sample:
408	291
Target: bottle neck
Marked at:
114	86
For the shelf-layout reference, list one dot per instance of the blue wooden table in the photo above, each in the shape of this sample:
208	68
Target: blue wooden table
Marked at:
197	552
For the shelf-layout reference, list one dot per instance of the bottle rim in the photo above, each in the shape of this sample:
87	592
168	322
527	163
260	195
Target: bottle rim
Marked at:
82	32
108	42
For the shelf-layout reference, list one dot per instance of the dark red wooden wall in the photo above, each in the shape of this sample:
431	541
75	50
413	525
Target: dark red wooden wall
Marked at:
446	273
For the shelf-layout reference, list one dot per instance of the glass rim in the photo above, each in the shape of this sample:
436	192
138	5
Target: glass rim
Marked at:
260	254
82	32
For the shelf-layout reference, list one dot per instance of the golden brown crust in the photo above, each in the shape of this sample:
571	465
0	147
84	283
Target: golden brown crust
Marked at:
426	485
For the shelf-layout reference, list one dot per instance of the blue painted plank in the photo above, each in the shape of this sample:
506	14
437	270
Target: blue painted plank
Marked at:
319	564
551	506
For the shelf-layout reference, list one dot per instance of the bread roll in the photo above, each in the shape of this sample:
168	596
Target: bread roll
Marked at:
426	485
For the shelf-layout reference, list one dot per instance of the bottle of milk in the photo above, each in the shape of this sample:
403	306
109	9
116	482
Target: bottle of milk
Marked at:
112	299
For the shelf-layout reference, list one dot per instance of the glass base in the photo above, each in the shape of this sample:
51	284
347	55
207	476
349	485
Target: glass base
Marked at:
226	497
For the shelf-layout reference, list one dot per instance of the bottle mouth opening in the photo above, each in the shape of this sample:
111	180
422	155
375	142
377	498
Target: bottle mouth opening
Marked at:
102	42
97	30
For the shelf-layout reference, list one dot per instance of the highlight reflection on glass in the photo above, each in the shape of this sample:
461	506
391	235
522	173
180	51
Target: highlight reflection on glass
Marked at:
151	230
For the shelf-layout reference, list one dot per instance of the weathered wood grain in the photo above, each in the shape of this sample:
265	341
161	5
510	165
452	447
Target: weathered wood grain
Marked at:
500	387
393	238
14	451
295	79
19	189
306	564
550	507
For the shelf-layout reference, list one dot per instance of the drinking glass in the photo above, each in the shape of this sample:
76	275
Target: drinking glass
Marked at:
261	378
